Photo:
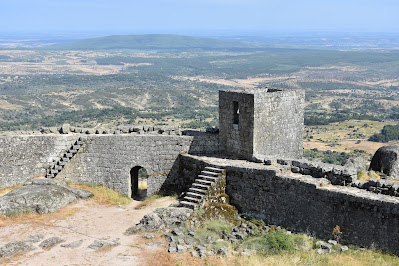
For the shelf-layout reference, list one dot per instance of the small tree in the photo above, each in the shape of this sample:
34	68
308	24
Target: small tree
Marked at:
337	235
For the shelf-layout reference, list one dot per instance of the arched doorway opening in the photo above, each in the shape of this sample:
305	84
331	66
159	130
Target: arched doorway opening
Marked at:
138	181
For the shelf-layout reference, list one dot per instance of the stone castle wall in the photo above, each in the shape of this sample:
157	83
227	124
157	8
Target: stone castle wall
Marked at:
278	126
236	139
302	203
25	157
261	122
108	160
103	159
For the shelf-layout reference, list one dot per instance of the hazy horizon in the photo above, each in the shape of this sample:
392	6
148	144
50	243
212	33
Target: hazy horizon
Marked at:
218	17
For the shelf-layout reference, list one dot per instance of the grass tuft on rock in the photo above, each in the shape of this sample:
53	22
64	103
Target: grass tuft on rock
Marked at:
366	176
14	213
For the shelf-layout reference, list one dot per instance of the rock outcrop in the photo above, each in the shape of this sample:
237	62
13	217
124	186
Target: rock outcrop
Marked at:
386	160
13	248
358	163
161	219
41	196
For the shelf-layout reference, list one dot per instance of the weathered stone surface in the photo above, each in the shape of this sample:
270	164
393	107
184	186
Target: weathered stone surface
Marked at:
65	129
223	251
74	244
386	160
267	195
108	159
148	236
13	248
99	244
34	239
51	242
269	122
358	163
80	193
41	196
24	157
161	219
156	243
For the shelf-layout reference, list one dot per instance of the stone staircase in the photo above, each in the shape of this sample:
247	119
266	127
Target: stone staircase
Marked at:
200	188
64	159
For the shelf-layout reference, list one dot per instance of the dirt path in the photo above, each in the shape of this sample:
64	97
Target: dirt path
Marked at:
89	223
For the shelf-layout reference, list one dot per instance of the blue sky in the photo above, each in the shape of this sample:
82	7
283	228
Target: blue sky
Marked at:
131	16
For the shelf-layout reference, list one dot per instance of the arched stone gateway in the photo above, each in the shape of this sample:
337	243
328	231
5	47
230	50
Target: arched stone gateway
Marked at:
138	182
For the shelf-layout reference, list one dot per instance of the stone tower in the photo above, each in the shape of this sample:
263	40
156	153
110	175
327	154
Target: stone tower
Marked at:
261	122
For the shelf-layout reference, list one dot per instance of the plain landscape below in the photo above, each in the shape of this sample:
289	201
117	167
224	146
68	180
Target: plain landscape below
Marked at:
351	94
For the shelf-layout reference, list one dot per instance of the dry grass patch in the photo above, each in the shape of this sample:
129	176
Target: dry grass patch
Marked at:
352	258
104	195
36	218
151	199
366	176
4	191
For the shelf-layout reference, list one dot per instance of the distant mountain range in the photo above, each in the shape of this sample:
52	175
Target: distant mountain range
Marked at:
154	41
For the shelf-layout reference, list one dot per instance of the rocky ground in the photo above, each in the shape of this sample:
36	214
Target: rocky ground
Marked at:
83	233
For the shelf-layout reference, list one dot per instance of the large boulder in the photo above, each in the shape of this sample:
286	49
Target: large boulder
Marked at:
386	160
41	196
358	163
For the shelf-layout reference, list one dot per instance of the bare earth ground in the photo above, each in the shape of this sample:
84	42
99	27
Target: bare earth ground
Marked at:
87	221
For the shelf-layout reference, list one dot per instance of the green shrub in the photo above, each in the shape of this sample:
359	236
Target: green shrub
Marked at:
276	241
279	240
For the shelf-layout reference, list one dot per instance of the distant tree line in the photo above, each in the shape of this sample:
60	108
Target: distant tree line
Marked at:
332	157
388	133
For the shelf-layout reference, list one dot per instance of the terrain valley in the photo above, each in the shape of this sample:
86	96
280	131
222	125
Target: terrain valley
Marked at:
351	90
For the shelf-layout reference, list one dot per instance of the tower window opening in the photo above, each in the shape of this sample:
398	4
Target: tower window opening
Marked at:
236	113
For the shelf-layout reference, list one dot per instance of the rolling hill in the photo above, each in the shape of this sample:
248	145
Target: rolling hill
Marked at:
153	41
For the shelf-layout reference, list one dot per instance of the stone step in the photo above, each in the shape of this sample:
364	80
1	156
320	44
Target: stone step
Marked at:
73	151
214	169
204	182
201	186
53	171
209	178
187	204
78	142
68	155
198	190
189	199
50	176
65	159
75	147
194	195
61	162
58	167
214	174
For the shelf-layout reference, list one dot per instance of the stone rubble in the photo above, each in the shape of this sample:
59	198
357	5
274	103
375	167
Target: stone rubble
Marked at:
51	242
